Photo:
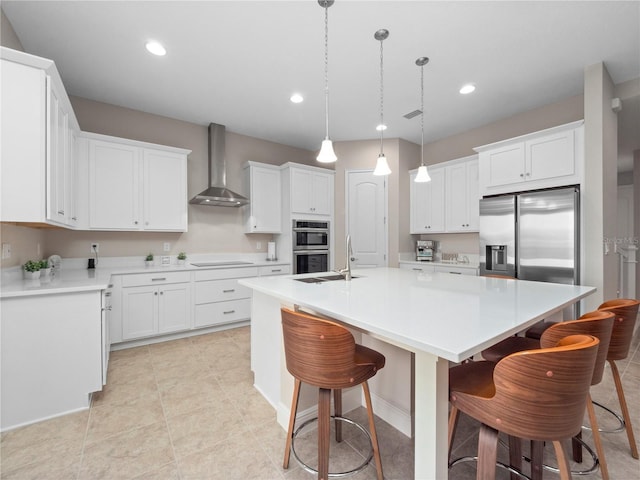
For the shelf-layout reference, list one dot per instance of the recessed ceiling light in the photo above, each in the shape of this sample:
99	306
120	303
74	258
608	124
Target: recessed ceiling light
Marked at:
468	88
381	127
296	98
156	48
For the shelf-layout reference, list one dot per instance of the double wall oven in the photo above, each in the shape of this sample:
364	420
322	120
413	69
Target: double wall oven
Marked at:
310	239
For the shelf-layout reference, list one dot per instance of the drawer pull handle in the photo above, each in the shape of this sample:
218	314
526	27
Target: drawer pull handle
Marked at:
276	270
159	279
229	291
417	269
228	312
456	273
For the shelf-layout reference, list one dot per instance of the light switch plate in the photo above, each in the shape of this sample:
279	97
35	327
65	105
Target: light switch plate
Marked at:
166	260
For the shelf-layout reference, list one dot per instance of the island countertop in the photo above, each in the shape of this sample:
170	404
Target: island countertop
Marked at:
450	316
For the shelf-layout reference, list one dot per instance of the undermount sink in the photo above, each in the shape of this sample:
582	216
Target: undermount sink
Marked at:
327	278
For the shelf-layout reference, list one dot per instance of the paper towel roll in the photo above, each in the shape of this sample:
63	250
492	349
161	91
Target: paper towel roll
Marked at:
271	251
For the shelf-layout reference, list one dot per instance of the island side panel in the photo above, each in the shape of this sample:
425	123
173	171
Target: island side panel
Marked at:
431	415
51	355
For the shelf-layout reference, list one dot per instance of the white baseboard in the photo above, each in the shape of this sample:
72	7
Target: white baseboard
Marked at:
398	418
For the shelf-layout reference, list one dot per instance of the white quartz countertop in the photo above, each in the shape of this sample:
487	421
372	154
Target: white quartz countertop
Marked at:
451	316
68	280
471	265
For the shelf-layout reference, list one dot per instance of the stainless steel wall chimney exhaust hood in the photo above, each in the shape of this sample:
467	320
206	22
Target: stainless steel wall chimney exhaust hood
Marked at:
218	194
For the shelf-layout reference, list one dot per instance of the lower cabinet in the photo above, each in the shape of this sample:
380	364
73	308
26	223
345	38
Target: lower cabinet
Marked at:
154	304
219	299
456	270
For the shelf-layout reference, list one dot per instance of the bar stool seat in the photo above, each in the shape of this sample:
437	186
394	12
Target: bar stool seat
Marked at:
324	354
537	394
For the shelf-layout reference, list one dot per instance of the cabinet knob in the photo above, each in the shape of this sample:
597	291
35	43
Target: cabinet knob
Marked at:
135	222
146	223
74	218
528	174
155	293
161	293
522	175
60	212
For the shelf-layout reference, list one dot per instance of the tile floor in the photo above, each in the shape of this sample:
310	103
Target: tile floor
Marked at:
186	409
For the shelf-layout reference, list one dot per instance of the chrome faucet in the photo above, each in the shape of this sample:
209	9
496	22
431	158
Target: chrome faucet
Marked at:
346	271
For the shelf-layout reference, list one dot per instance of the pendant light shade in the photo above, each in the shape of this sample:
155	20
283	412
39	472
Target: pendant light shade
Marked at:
422	175
326	155
382	166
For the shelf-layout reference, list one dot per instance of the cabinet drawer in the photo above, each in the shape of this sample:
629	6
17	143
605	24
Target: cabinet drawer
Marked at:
157	278
222	312
457	270
220	291
275	270
418	268
222	273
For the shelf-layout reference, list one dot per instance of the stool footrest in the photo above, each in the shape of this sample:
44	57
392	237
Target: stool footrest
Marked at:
333	474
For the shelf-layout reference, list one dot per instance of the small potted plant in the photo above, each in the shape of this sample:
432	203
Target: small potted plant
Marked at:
45	269
31	269
149	260
181	258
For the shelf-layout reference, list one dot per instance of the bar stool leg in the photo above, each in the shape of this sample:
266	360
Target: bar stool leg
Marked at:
337	411
597	439
454	415
563	462
324	433
624	408
292	421
515	456
372	430
537	452
487	453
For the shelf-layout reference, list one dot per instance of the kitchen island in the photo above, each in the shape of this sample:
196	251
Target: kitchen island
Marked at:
439	318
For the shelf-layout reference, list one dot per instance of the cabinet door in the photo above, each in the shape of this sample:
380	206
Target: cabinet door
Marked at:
265	210
174	309
113	186
436	200
504	166
164	187
461	192
321	193
427	203
550	156
57	159
418	200
139	312
300	188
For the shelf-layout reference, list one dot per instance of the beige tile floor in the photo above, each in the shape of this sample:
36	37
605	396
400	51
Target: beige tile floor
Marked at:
186	409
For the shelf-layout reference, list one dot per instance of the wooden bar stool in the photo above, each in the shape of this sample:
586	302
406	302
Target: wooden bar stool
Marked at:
626	314
324	354
536	394
598	324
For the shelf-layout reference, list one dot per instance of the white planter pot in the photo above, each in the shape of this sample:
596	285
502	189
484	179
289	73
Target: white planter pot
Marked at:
31	275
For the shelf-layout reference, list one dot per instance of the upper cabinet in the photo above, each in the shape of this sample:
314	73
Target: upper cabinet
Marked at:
37	143
427	202
134	185
309	190
263	214
549	158
461	196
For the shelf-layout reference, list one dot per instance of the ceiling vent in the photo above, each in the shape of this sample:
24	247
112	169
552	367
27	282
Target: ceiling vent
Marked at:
413	114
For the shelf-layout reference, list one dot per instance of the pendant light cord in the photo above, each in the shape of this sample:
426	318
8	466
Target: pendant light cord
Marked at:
381	96
326	68
422	116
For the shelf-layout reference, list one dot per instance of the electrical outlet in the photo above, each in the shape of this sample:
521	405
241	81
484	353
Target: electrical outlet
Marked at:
6	250
166	247
95	248
258	245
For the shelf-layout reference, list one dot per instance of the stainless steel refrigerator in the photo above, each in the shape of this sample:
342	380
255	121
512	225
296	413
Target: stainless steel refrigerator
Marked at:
532	235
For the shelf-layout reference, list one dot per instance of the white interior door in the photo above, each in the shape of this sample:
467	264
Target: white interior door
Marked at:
626	243
366	218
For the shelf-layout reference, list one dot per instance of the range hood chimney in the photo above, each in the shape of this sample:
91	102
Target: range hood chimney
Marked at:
218	194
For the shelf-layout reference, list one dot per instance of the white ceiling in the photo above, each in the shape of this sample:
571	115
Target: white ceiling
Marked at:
237	62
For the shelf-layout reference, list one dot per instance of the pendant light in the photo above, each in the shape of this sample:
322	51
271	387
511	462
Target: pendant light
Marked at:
423	174
326	155
382	167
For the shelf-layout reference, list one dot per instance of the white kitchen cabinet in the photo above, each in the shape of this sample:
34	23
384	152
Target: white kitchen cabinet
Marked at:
427	202
219	299
135	185
36	149
455	270
274	270
421	268
549	158
51	355
263	213
461	196
154	304
310	190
